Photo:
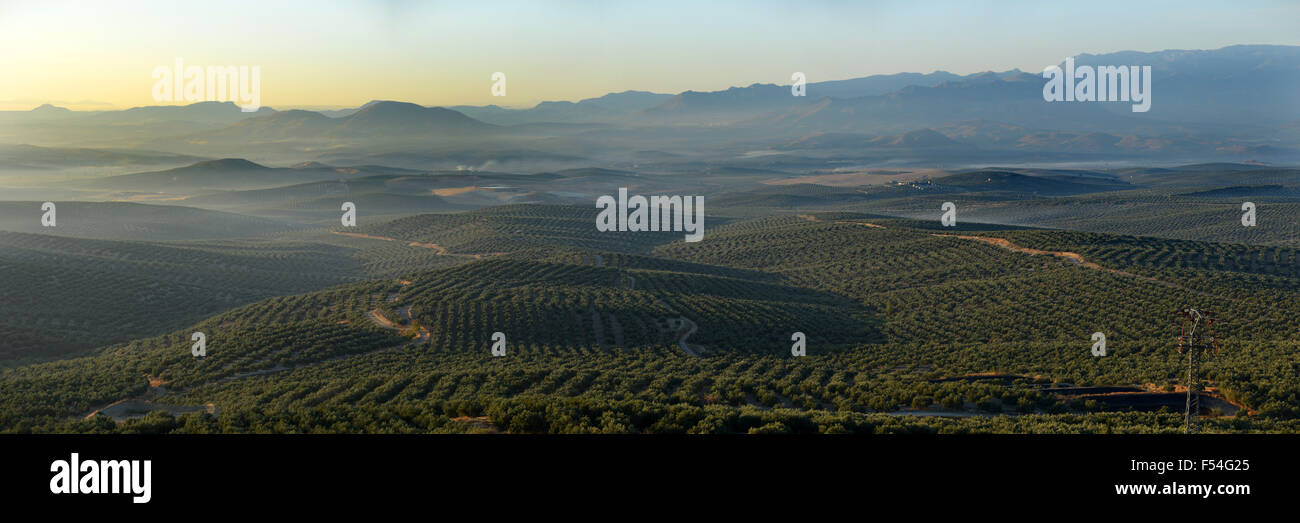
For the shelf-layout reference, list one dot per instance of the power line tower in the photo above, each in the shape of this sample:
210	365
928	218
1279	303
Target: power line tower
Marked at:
1197	338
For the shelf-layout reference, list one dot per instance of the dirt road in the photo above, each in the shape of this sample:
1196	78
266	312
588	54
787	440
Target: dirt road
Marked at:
437	249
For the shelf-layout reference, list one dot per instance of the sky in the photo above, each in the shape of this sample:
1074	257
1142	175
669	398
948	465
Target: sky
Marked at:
101	55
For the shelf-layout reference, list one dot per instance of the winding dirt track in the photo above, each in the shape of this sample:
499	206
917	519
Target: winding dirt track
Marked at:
377	317
1072	256
866	224
688	334
1006	244
134	406
438	249
813	218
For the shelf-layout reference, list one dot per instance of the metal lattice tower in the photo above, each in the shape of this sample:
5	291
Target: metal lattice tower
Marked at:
1197	338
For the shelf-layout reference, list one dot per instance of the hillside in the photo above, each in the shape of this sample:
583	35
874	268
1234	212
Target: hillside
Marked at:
990	180
225	174
134	221
514	228
897	315
68	295
374	121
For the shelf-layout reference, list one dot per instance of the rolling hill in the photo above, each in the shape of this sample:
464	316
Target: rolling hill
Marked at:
226	174
900	316
135	221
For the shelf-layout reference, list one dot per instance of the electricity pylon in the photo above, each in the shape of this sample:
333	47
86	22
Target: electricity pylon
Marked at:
1196	338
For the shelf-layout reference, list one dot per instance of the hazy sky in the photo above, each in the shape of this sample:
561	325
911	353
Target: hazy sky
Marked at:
341	53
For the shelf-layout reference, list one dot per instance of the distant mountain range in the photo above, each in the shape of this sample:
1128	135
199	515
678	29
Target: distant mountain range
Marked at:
1238	101
235	174
603	109
375	118
1246	86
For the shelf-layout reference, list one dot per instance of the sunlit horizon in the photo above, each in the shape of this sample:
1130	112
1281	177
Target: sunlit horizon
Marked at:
92	56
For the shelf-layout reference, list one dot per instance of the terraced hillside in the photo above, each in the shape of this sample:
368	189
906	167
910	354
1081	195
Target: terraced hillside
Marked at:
135	221
513	228
1137	213
556	307
64	296
610	333
1189	203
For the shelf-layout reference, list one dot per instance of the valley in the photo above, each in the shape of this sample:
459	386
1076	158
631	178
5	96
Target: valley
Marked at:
948	246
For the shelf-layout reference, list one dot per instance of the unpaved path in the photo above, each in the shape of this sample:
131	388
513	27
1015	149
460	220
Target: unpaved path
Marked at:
1078	258
1072	256
366	236
684	320
123	410
682	342
813	218
140	405
378	318
1006	244
866	224
127	408
438	249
